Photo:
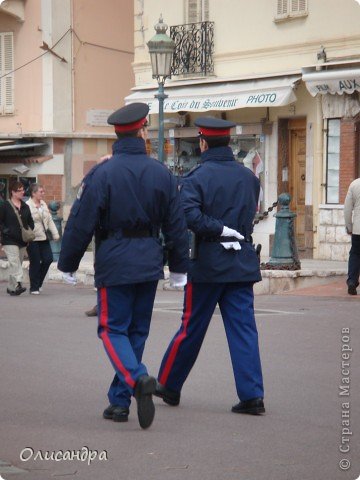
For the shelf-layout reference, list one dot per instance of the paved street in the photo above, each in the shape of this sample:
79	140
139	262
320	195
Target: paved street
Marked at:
54	376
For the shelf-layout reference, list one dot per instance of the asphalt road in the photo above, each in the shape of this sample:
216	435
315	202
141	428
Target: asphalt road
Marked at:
54	375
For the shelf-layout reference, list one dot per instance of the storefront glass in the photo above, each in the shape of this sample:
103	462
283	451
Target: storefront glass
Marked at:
183	154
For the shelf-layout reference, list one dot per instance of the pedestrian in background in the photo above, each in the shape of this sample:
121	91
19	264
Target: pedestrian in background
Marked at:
125	201
352	224
39	251
220	198
15	214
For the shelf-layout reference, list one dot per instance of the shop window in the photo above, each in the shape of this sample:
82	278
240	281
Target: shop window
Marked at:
333	161
3	188
287	9
6	74
183	154
27	181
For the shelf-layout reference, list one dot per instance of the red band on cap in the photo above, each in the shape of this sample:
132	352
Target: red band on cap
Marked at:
130	126
214	132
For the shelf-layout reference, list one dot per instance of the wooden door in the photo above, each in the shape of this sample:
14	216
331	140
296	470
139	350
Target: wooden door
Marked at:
297	180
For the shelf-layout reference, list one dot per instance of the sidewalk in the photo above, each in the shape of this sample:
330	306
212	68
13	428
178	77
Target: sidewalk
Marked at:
312	273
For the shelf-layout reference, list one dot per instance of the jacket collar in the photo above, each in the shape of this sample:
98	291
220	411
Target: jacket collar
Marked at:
218	154
129	145
31	203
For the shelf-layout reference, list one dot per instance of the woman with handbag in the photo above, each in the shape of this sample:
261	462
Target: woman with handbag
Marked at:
39	251
16	225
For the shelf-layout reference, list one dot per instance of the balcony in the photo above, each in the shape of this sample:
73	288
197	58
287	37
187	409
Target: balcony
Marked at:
194	47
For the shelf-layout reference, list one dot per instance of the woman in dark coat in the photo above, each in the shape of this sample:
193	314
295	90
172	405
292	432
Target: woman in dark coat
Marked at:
11	239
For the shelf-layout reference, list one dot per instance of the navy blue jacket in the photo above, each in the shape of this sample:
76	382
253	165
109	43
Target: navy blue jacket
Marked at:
221	192
129	191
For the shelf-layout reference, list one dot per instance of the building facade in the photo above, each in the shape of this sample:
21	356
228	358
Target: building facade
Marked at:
65	65
288	73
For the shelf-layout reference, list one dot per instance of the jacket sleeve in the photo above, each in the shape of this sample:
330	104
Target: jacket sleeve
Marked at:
83	218
175	231
348	208
197	221
53	229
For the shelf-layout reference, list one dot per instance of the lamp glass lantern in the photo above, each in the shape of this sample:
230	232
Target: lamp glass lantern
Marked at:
161	49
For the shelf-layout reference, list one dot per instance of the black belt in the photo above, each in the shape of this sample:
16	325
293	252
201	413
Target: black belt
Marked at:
225	239
138	233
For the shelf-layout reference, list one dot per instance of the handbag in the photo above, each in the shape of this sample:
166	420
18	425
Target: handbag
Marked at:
27	234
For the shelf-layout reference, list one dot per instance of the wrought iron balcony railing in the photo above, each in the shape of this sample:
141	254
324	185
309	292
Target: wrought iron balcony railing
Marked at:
194	47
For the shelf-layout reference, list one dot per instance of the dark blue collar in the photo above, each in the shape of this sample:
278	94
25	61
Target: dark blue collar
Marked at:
132	145
217	153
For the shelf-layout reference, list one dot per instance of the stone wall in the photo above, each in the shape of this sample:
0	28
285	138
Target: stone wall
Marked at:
334	242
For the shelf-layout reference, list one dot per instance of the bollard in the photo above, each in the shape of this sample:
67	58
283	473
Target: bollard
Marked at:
56	246
284	253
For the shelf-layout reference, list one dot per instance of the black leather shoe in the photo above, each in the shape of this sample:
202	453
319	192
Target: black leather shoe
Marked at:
255	406
169	396
19	289
144	389
352	290
116	413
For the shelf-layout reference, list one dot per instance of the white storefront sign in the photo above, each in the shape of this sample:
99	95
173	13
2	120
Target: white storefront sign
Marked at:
332	81
223	96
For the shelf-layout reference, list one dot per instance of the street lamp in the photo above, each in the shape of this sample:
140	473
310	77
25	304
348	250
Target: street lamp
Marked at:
161	49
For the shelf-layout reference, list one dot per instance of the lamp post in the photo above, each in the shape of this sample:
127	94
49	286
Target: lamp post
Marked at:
161	49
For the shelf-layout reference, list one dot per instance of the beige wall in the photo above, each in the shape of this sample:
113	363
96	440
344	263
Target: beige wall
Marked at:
55	96
249	42
28	80
102	76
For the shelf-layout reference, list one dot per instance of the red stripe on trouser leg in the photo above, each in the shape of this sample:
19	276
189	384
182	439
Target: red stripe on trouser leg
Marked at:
107	342
178	340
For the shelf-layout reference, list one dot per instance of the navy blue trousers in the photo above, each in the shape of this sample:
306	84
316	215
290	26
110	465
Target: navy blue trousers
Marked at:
124	315
40	258
236	302
354	261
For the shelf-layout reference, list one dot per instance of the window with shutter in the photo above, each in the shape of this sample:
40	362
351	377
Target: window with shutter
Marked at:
287	9
298	6
282	7
193	11
198	11
6	73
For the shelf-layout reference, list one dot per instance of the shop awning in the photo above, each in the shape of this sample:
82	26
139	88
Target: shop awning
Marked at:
332	81
20	146
274	92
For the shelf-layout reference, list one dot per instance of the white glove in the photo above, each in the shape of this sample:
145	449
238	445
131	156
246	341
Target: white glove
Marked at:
69	278
230	232
177	279
231	245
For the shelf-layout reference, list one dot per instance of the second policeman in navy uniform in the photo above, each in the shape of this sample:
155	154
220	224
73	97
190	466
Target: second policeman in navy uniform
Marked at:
220	198
125	201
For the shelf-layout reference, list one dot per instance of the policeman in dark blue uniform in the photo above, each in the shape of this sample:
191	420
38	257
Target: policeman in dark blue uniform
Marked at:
220	198
125	200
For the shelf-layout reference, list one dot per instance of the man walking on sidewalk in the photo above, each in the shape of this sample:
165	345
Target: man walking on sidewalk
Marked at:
220	198
352	224
126	200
